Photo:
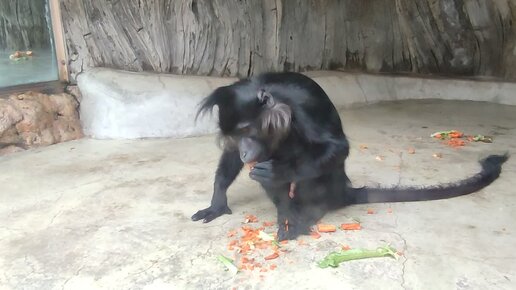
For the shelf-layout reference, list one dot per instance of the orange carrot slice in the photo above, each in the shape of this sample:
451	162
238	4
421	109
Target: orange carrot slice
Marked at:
326	228
250	219
350	227
272	256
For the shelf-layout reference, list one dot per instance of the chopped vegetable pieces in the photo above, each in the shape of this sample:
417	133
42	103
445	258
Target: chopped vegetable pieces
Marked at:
228	263
272	256
326	228
350	227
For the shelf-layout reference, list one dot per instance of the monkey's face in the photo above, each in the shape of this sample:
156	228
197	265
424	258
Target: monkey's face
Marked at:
251	142
256	126
250	119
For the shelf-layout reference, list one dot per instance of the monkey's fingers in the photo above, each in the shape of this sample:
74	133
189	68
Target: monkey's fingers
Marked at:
261	175
210	213
266	165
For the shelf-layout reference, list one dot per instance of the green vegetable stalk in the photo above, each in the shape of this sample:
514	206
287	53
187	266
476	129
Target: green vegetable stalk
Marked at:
335	258
228	263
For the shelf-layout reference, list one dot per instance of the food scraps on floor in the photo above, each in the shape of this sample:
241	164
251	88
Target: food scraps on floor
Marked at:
335	258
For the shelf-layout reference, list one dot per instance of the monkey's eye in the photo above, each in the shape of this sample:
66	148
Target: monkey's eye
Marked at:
244	129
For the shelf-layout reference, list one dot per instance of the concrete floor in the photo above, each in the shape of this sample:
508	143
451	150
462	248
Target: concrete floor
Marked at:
116	214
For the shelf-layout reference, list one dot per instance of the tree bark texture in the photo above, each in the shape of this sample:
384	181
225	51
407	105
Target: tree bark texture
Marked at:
245	37
24	24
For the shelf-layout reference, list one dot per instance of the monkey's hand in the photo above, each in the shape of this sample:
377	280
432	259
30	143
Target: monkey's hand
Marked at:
271	172
210	213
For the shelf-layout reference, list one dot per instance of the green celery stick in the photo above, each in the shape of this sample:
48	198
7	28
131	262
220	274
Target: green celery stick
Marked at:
228	263
335	258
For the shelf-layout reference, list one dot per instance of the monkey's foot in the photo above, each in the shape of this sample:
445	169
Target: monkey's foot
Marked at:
292	233
210	213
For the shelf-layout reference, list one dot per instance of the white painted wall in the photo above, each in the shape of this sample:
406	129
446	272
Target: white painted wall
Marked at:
127	105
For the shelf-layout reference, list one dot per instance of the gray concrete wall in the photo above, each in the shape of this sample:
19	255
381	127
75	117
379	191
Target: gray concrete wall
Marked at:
127	105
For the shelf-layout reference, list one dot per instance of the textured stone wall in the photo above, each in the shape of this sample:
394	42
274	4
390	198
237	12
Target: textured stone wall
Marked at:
33	119
244	37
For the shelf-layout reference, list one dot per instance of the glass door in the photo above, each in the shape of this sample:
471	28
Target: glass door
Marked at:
27	48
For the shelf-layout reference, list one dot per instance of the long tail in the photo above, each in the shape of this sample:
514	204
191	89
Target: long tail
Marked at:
491	169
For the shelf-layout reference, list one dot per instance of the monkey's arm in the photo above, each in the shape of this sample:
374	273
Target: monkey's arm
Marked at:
318	161
228	169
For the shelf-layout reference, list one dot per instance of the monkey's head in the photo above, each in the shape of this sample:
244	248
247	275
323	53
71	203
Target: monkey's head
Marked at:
250	119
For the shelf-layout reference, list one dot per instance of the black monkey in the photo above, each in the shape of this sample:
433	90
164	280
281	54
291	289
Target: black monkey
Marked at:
287	125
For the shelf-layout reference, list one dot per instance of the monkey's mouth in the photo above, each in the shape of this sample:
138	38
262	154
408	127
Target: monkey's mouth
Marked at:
251	164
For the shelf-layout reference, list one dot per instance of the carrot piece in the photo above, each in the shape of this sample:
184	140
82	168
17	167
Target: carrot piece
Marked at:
250	267
272	256
455	143
326	228
284	242
273	266
250	219
268	224
250	165
263	270
370	211
315	235
350	227
456	134
346	247
232	233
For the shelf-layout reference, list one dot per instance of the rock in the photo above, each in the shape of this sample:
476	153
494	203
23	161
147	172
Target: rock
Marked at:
10	136
10	149
9	115
65	105
34	113
126	105
67	129
75	92
33	119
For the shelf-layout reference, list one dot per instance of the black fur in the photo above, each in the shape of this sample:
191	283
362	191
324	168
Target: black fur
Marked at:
287	123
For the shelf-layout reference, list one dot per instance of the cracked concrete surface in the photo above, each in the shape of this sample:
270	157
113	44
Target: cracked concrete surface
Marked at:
116	214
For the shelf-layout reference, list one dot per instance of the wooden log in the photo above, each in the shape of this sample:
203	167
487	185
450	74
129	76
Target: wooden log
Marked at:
241	38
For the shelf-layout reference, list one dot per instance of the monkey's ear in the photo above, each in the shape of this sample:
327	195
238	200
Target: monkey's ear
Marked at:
265	99
217	97
276	117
